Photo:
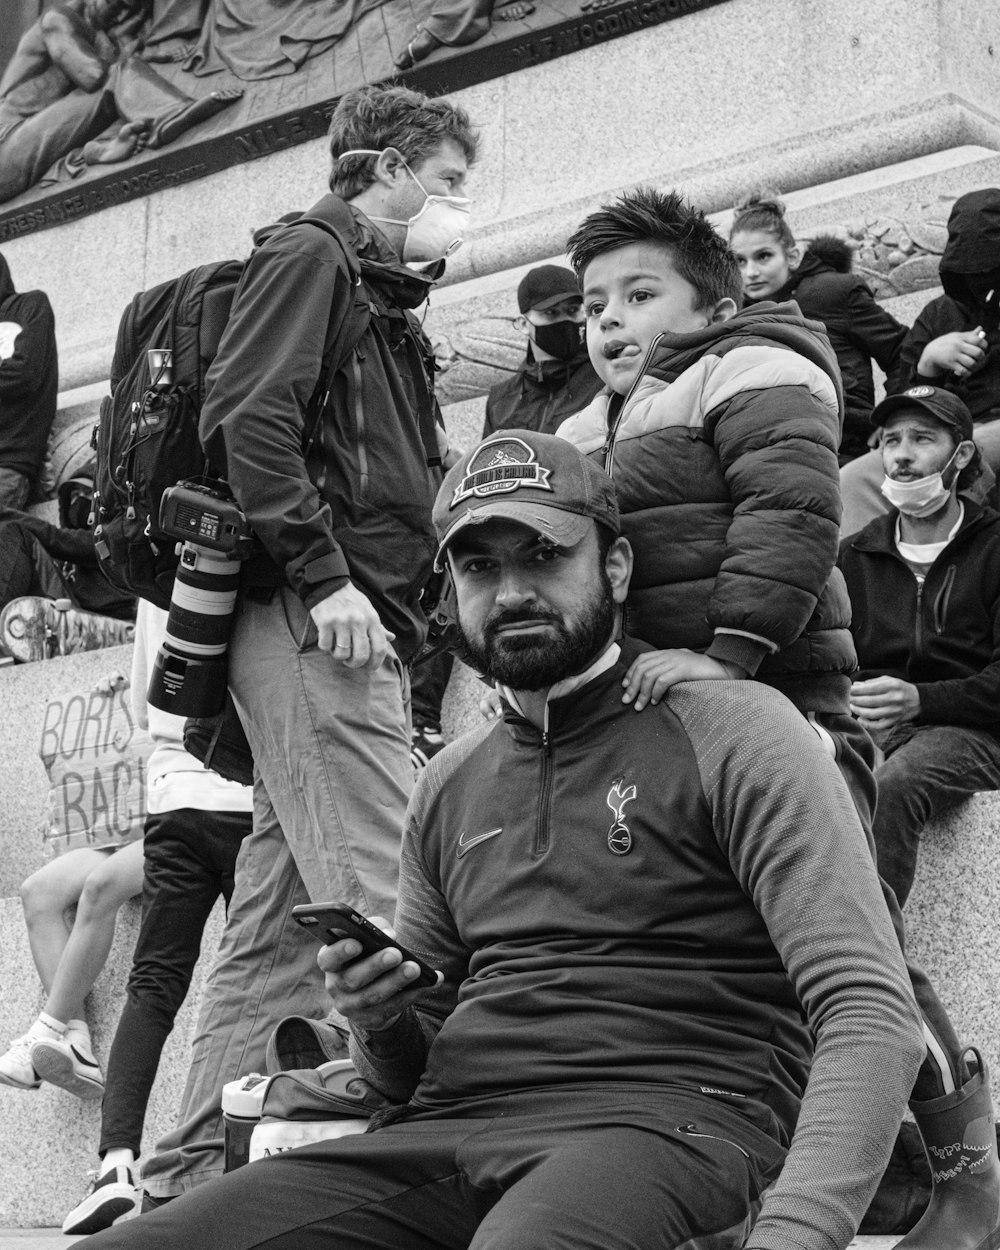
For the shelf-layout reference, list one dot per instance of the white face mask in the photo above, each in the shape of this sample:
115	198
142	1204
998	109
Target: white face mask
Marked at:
437	230
923	497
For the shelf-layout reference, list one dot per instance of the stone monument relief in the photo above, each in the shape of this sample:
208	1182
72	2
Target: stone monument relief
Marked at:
104	101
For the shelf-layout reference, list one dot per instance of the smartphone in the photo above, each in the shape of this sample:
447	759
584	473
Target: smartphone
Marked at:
333	922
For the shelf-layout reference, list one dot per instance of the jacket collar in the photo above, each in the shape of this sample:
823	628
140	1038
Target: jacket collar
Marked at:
880	534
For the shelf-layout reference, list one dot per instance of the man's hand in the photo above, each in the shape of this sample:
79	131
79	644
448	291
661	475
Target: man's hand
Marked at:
884	702
372	992
654	672
350	629
961	352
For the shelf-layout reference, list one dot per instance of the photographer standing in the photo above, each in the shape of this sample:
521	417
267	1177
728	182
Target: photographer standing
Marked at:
334	457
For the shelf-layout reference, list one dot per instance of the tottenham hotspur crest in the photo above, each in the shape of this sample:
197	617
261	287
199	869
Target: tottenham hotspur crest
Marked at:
619	835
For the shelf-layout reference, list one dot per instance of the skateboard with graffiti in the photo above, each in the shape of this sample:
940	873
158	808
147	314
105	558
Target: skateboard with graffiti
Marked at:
33	628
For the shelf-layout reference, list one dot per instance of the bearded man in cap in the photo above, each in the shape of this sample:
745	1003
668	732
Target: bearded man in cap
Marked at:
672	1011
554	380
924	582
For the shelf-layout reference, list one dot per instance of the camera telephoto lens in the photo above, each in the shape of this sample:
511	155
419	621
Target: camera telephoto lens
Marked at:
189	675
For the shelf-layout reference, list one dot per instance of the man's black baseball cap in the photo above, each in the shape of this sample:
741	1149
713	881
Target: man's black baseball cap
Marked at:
942	405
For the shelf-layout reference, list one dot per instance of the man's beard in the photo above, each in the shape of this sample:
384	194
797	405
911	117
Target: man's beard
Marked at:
533	663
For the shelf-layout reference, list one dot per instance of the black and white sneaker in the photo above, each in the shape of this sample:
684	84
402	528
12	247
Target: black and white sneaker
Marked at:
68	1063
110	1197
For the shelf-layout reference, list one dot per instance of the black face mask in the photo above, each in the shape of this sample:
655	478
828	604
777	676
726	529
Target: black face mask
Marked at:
561	339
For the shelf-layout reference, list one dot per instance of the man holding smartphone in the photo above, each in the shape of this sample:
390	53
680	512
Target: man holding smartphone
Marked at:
673	1009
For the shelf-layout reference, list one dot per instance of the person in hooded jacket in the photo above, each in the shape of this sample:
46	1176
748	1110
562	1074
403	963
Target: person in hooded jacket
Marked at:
29	382
819	279
955	344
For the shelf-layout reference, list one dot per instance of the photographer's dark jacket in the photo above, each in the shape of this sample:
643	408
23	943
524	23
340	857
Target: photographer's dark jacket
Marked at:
541	394
29	379
724	455
943	637
347	496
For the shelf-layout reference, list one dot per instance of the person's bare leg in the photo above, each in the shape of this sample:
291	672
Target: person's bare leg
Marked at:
107	887
166	130
46	897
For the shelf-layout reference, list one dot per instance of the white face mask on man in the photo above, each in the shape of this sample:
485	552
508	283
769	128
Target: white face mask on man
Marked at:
923	497
437	230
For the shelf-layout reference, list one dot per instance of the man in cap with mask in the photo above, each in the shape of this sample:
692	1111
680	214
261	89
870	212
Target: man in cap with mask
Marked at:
672	1010
556	377
554	380
320	411
924	582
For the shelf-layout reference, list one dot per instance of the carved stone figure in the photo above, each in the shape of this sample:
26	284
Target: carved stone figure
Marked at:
75	73
255	39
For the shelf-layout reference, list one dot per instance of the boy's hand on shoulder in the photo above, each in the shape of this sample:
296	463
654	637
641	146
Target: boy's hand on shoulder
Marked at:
654	672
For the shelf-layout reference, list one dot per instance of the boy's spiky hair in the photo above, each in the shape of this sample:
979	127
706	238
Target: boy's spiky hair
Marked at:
700	255
379	117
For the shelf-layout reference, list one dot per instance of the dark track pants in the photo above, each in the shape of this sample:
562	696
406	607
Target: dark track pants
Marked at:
190	856
586	1168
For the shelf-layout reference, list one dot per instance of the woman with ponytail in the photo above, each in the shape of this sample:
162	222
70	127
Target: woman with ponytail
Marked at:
820	280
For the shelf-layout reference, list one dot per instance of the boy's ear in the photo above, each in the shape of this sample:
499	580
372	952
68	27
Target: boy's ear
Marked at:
723	310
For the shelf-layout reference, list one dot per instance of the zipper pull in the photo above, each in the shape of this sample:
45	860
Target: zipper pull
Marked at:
130	494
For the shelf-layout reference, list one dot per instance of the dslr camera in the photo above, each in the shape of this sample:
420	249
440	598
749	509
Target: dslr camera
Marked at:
189	674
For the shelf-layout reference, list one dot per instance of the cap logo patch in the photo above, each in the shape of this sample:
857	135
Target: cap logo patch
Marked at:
501	468
919	392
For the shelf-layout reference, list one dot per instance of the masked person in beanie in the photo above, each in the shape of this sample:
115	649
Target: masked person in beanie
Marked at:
556	377
673	1011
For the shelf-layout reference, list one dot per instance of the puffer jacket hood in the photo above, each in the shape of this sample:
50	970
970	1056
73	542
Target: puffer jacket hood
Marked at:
780	323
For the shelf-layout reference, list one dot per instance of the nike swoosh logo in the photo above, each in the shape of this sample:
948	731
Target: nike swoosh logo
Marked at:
467	842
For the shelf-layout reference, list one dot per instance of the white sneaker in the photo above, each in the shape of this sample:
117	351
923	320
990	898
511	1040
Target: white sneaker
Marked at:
67	1062
16	1069
109	1197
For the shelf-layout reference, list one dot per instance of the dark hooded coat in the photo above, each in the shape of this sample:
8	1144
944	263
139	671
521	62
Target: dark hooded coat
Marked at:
970	276
29	378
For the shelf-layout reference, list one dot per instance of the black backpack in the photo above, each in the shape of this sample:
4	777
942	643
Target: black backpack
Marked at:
146	438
